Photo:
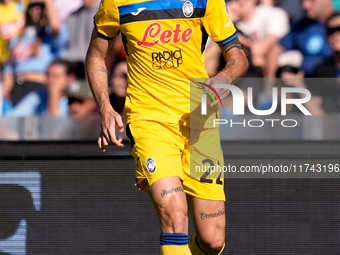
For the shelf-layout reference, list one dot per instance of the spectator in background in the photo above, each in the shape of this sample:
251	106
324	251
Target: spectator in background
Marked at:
292	7
80	101
308	36
327	88
51	99
80	24
42	40
66	7
261	28
331	68
270	2
291	76
234	11
118	85
12	20
1	100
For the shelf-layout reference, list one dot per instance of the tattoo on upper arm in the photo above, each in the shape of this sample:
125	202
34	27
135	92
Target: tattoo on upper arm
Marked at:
166	192
102	69
204	215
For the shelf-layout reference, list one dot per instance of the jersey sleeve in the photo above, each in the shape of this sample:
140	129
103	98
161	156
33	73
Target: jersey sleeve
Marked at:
217	22
106	20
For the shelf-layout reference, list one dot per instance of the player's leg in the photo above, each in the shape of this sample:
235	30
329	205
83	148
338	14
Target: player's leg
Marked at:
210	223
159	173
169	200
204	185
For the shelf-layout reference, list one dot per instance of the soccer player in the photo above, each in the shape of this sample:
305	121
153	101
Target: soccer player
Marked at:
164	43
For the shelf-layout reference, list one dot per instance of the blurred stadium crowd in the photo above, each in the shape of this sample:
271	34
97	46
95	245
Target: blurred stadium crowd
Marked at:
43	45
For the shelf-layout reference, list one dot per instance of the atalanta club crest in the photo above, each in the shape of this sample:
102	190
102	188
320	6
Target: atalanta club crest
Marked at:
151	165
188	9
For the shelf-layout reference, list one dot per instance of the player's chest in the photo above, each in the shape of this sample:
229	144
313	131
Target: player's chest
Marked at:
160	22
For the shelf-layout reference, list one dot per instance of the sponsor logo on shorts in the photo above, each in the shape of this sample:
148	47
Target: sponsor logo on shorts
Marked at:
151	165
166	59
188	9
154	34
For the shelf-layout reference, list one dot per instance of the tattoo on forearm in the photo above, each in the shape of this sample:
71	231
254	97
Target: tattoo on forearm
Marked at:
204	215
167	192
102	69
231	62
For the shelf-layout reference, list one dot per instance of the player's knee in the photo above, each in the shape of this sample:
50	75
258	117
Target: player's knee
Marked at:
215	244
179	219
176	219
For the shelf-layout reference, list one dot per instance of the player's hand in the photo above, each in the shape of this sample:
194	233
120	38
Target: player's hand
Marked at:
219	93
110	119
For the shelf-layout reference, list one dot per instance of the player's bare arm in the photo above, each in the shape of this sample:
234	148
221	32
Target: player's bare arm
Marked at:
236	67
97	76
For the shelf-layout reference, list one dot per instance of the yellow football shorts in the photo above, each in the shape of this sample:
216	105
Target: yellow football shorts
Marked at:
162	150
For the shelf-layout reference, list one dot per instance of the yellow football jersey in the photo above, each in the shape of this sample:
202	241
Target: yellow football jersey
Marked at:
164	43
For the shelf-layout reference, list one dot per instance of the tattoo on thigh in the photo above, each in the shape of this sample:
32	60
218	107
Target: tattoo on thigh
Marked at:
102	69
167	192
204	215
